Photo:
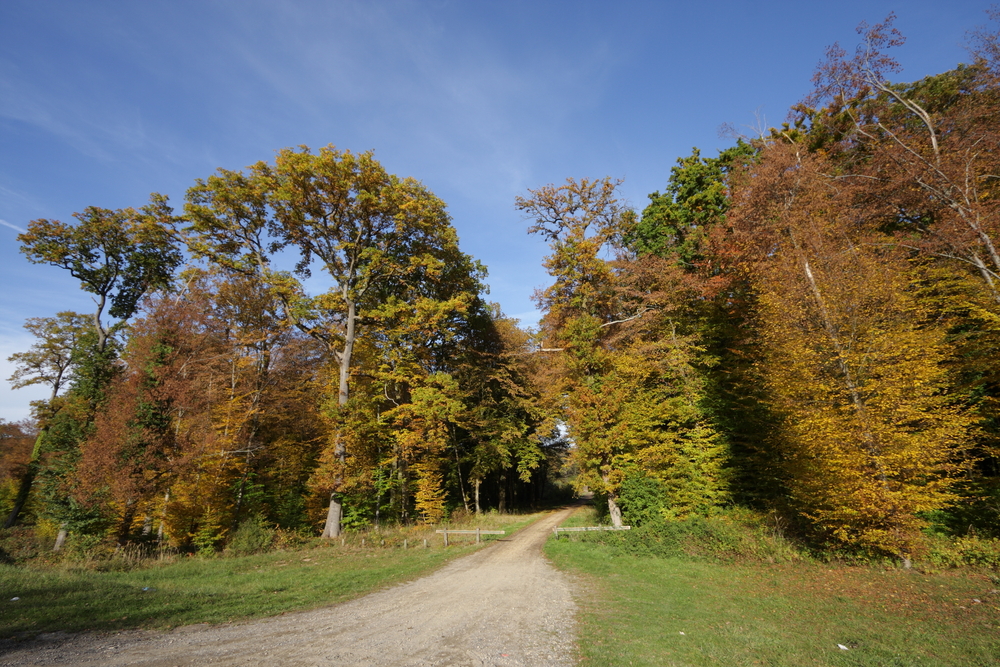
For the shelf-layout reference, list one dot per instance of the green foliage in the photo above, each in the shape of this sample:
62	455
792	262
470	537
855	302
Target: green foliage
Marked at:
724	537
117	255
642	499
253	536
676	223
964	552
209	533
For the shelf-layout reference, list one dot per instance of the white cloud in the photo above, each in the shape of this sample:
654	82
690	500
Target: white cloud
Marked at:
14	227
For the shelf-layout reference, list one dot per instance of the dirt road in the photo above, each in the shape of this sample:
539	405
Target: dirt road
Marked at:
503	605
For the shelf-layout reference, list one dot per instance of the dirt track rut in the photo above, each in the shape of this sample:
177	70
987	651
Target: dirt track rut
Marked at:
503	605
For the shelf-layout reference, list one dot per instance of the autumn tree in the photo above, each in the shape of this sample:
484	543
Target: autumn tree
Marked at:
580	220
872	437
48	361
917	161
929	147
17	440
679	262
118	256
380	238
623	377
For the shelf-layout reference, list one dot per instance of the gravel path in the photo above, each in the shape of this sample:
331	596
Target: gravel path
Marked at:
503	605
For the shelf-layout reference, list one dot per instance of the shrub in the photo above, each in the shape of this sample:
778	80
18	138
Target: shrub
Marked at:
22	543
253	536
727	537
642	500
961	551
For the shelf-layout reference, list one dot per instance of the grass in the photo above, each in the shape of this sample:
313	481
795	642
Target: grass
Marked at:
70	597
641	610
584	516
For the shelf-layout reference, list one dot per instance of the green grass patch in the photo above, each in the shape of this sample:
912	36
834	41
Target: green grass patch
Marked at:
585	515
646	610
94	596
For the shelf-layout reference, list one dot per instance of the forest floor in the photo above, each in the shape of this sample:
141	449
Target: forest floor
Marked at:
503	605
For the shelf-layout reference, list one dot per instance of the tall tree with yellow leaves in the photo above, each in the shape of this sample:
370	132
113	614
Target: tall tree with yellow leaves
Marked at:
871	434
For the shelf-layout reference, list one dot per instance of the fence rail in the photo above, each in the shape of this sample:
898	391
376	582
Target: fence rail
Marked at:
478	532
580	529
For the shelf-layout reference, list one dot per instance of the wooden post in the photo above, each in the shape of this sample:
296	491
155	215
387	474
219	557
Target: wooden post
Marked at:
477	534
404	543
362	543
425	543
446	537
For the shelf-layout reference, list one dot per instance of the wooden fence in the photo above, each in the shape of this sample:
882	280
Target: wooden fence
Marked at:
477	532
580	529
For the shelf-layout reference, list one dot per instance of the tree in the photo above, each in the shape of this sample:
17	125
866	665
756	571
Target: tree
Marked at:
16	444
50	361
384	241
920	162
871	435
680	261
117	255
581	220
625	384
930	147
676	224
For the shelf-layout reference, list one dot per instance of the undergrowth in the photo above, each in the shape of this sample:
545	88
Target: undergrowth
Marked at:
733	536
739	535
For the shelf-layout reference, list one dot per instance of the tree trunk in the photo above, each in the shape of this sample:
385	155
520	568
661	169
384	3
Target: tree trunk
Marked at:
458	469
126	526
239	496
478	482
161	531
27	479
335	513
503	494
60	538
614	511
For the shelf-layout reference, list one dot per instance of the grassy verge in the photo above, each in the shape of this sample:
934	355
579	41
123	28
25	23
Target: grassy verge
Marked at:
75	597
583	516
642	610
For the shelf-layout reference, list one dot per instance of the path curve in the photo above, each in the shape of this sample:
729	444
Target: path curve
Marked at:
503	605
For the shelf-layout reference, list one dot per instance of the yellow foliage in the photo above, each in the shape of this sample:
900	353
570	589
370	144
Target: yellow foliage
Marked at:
871	435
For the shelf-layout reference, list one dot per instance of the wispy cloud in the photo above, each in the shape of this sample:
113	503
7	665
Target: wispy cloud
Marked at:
14	227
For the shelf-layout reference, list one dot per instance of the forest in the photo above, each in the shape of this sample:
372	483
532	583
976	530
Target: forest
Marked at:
804	327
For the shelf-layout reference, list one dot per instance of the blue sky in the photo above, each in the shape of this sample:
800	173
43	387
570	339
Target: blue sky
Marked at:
102	103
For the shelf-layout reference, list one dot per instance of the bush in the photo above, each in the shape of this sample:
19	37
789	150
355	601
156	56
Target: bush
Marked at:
253	536
84	548
727	537
21	544
287	538
961	551
642	500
